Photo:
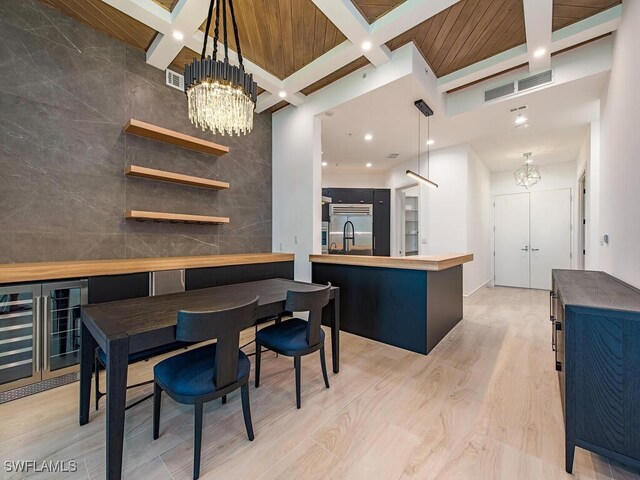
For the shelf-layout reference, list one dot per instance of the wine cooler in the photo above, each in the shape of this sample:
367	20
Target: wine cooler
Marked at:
40	332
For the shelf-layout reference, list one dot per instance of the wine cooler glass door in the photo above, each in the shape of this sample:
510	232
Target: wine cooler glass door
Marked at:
61	319
19	332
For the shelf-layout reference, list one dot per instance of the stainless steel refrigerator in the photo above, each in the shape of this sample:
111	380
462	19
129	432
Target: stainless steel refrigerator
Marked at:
351	229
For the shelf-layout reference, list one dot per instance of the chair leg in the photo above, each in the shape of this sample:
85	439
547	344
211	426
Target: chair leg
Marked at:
296	364
323	364
258	355
197	440
246	410
157	400
224	399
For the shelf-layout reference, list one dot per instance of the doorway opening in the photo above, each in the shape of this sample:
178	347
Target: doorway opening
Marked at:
582	218
408	207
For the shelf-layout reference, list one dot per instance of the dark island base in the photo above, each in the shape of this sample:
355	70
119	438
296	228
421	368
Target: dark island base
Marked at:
410	309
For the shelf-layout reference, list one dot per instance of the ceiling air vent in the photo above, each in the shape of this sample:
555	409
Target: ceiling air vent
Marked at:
175	80
501	91
535	80
393	155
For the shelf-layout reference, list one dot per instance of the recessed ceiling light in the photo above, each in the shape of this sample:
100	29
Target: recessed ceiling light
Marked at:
369	165
539	52
368	137
366	46
324	164
282	94
521	119
178	35
430	142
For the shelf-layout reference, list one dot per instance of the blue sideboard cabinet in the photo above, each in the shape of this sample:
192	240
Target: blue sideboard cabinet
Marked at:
595	325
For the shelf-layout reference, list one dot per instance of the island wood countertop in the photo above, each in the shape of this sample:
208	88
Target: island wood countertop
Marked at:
31	272
433	263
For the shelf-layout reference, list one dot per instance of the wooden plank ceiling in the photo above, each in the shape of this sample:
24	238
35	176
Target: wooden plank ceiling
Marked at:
374	9
167	4
282	36
108	20
566	12
467	32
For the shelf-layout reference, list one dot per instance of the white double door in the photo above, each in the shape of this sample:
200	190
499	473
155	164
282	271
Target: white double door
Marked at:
532	237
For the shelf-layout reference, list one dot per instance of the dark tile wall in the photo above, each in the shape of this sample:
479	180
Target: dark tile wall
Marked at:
65	93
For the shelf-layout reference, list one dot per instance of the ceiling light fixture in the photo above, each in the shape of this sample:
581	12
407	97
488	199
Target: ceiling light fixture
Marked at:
324	164
427	112
282	94
430	142
528	174
368	137
522	126
222	97
369	165
366	46
178	35
521	119
539	53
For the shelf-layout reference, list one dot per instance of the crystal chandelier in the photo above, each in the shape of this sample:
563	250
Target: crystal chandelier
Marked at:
222	97
528	174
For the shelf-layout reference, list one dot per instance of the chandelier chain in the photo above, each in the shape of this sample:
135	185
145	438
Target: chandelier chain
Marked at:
235	32
206	34
216	31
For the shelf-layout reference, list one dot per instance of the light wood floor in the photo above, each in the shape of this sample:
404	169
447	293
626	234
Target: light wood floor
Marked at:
483	405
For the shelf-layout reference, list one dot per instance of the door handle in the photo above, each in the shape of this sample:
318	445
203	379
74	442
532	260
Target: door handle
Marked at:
525	249
535	249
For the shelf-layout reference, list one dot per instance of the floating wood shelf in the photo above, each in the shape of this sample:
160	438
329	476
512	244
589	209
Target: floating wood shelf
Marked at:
144	172
160	134
175	217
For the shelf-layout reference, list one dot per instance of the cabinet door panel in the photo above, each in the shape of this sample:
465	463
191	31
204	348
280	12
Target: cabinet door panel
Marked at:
382	222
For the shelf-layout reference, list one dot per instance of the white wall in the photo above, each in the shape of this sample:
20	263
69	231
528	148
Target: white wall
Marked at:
454	218
554	177
620	148
354	180
479	224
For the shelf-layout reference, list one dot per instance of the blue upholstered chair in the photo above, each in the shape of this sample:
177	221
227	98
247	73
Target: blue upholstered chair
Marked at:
209	372
296	337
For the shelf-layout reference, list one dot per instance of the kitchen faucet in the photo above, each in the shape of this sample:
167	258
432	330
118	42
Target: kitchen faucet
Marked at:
346	238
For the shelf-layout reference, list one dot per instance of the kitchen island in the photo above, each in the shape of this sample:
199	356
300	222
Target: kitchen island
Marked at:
409	302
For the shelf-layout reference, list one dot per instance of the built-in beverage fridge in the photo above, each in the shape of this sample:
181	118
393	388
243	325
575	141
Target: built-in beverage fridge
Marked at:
39	332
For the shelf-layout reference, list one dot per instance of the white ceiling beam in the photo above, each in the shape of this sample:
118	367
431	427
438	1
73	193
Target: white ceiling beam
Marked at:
406	16
187	16
582	31
145	11
348	19
538	21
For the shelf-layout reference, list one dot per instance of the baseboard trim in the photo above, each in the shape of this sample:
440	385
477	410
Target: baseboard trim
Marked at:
478	288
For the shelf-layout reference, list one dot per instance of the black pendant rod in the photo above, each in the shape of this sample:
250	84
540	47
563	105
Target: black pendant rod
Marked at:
206	32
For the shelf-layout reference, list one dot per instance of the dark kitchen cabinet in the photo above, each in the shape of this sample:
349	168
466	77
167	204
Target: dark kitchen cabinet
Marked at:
382	222
595	332
381	201
350	195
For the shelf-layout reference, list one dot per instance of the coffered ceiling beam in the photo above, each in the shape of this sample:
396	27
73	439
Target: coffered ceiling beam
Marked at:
344	15
582	31
187	16
538	21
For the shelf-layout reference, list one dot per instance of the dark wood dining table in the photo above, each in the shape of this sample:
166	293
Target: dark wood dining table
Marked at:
125	327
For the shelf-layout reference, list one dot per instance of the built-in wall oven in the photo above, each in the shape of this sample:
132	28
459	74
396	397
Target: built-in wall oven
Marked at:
325	237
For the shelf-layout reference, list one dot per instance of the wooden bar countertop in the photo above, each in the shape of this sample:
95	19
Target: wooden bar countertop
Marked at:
432	263
31	272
